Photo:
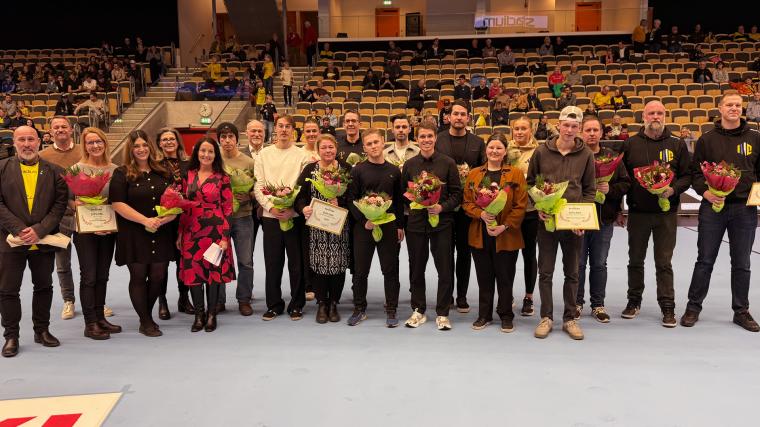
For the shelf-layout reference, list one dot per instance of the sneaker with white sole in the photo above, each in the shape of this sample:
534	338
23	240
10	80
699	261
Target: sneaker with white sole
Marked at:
544	328
107	311
573	329
507	325
527	308
631	311
600	315
68	310
416	319
356	317
443	324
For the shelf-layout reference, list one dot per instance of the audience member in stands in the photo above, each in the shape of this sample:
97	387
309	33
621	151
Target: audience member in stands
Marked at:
573	77
5	120
462	89
753	109
474	51
305	94
9	105
654	37
614	129
556	82
21	106
309	42
603	100
702	74
387	81
8	85
417	96
96	109
435	50
740	35
606	57
393	68
534	104
322	94
747	87
560	46
499	115
674	40
546	47
621	53
214	69
754	34
370	81
488	50
495	89
521	103
419	55
268	114
506	59
543	130
720	74
295	44
481	91
117	74
590	110
331	72
64	107
269	70
567	98
326	127
639	36
620	101
330	115
697	36
393	53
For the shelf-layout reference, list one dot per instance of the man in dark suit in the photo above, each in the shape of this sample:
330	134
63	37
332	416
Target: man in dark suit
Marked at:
33	199
465	148
621	53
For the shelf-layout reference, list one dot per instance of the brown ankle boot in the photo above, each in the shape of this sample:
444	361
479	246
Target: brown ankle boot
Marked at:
333	313
94	331
322	312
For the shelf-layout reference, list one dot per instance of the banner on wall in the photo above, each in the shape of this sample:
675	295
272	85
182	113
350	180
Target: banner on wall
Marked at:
512	21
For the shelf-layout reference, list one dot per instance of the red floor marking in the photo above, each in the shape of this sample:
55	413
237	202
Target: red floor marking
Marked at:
67	420
15	422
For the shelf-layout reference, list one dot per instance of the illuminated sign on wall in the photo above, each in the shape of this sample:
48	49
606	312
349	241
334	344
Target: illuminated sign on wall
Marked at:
512	21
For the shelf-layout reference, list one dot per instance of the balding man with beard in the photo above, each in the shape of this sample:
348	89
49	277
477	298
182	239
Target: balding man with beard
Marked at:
33	198
645	217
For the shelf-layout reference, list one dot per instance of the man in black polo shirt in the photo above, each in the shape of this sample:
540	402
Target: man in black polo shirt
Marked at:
465	148
351	141
422	237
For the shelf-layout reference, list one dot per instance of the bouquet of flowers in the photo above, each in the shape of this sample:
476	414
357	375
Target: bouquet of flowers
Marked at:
721	180
655	178
547	198
353	158
464	170
172	203
331	182
374	207
491	198
424	191
282	197
86	187
605	166
241	182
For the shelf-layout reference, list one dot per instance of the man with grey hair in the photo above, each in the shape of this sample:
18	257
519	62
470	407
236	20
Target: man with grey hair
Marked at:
654	143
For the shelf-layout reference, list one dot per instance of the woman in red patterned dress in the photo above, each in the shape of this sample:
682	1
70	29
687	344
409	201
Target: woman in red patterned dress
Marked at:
208	184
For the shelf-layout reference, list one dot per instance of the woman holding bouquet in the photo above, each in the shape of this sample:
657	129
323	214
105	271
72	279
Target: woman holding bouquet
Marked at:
136	188
327	254
205	225
95	250
176	161
521	148
495	238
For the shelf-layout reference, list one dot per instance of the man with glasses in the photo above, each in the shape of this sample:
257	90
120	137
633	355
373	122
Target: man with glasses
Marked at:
351	141
33	199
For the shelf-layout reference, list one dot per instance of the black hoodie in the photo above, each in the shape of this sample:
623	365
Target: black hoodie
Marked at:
576	167
740	147
640	150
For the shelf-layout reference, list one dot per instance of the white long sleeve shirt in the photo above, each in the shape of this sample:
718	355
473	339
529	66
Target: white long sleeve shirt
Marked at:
277	166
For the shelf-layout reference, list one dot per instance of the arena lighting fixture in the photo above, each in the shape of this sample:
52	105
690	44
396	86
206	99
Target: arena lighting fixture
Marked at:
387	2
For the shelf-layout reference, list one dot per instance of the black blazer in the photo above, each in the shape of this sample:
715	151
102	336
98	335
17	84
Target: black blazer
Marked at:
474	150
50	202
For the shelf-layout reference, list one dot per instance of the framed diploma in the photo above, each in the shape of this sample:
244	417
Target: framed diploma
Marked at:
578	216
754	195
327	217
96	218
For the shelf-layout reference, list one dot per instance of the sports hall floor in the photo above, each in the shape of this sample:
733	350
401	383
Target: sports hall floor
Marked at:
285	373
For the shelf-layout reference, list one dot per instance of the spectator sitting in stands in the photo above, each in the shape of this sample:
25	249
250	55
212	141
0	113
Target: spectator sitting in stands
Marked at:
740	35
620	101
499	115
217	46
9	105
444	123
393	69
521	103
720	75
753	109
231	83
5	121
214	69
51	86
702	74
573	77
654	37
370	82
393	53
95	108
613	130
488	50
64	107
495	89
606	57
568	98
326	126
330	115
387	81
417	96
746	87
21	106
753	34
89	84
445	110
506	59
481	91
534	104
590	110
326	53
603	100
435	50
313	116
546	47
8	85
474	50
206	88
17	120
560	47
305	94
621	53
543	130
462	90
538	69
674	40
556	82
419	55
321	93
118	74
331	72
697	36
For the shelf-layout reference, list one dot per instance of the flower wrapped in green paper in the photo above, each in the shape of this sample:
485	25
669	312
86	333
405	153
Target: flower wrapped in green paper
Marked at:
282	197
374	207
331	182
547	198
241	182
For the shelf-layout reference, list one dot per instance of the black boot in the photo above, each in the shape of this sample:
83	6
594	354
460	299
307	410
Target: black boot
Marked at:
333	314
211	322
200	320
163	309
322	312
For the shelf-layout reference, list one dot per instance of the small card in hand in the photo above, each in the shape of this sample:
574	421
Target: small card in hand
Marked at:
213	254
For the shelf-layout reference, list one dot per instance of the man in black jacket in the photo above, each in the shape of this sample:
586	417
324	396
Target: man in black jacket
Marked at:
33	198
423	238
465	148
734	142
645	217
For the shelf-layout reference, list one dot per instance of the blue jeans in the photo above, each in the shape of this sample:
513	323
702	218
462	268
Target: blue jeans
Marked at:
242	239
596	247
741	222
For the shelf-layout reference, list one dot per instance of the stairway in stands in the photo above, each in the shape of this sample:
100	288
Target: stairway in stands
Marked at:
300	76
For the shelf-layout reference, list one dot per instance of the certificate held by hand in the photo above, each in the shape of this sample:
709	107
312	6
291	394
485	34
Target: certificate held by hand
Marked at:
214	254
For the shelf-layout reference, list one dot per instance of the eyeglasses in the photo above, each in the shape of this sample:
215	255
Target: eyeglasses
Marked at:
168	139
95	142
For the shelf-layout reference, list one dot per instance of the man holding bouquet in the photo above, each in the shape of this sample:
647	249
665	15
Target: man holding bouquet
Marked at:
654	214
735	143
562	159
422	236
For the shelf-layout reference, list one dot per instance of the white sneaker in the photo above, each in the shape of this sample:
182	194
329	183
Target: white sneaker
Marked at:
68	310
443	323
415	320
107	311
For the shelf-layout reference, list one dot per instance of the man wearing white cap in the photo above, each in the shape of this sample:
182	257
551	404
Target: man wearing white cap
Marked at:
562	158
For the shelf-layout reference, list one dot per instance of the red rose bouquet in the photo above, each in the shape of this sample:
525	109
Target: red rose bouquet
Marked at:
721	178
605	166
491	198
655	178
86	186
425	191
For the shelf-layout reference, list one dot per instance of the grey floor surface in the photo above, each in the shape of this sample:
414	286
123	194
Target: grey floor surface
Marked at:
285	373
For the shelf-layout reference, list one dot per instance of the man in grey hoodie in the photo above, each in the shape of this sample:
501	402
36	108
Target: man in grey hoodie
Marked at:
562	158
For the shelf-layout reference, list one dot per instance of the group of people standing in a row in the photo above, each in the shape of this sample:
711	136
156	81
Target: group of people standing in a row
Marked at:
35	202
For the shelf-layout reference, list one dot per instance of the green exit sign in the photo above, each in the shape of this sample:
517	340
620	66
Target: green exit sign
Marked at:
205	120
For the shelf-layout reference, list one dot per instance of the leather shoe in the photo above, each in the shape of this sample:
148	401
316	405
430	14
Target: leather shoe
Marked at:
322	312
333	314
94	331
184	305
163	309
211	322
46	339
150	330
10	348
200	320
108	326
245	308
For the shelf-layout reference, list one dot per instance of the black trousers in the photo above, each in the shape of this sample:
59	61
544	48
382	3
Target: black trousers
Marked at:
95	254
212	296
420	245
494	267
277	244
145	281
529	229
308	274
328	287
463	258
387	251
12	266
288	94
